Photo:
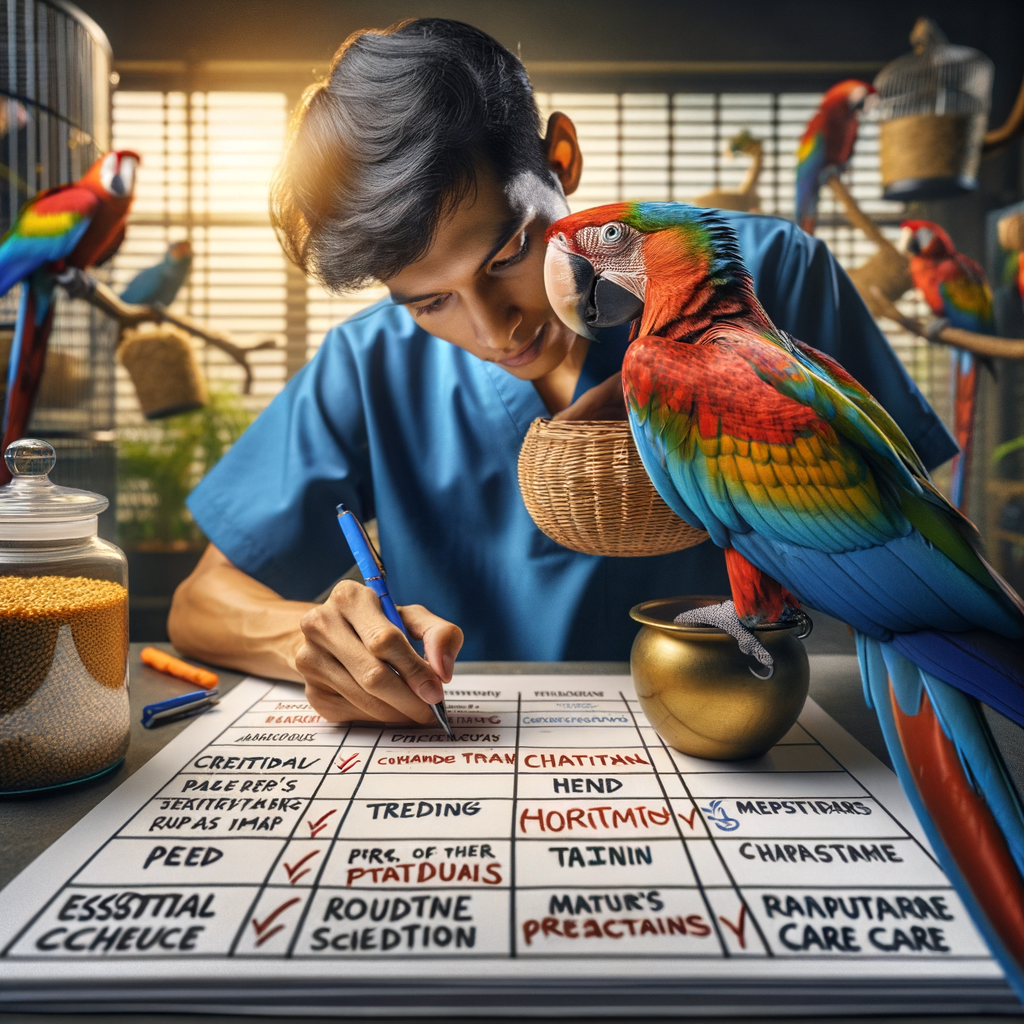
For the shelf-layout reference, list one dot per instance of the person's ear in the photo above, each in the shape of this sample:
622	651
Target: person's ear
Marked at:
563	151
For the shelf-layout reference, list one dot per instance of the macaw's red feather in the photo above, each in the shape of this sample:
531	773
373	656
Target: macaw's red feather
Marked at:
966	288
28	373
964	822
758	597
66	199
731	398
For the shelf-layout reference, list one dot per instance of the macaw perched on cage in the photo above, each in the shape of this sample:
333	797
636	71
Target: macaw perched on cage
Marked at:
957	291
827	145
77	225
160	283
816	496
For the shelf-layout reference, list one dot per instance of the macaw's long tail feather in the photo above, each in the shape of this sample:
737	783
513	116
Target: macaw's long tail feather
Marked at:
958	785
982	664
965	397
27	359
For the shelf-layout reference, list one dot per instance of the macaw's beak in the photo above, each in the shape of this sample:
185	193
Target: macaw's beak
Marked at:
585	301
909	244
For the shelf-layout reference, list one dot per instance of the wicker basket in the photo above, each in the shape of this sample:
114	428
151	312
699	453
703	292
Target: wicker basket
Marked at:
585	487
1011	232
164	371
930	156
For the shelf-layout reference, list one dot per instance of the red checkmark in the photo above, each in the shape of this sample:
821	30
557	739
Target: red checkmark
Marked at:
261	926
688	820
316	827
349	762
739	927
292	868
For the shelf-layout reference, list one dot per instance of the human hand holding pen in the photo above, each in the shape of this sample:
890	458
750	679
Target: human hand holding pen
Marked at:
359	667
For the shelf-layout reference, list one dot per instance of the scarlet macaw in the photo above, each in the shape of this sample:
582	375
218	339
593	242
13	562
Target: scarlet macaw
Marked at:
74	225
827	145
956	289
816	496
161	282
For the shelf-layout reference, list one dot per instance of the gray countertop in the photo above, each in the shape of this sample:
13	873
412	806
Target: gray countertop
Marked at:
29	824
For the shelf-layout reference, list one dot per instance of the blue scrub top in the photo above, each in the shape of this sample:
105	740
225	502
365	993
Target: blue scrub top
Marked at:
419	433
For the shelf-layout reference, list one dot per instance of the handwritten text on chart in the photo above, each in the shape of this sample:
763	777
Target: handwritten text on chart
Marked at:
556	825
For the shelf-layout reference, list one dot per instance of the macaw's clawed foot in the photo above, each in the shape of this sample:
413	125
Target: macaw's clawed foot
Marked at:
77	283
723	616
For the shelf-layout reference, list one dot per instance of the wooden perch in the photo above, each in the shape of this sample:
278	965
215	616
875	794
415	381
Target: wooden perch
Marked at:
956	337
888	269
856	216
1014	124
81	286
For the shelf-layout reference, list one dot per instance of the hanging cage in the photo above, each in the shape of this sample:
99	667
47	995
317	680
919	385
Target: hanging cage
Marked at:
934	106
55	81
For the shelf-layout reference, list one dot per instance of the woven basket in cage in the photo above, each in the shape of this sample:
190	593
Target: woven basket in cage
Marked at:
934	106
585	487
1011	232
164	370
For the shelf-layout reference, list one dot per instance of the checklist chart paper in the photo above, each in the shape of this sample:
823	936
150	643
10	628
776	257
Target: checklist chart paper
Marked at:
556	857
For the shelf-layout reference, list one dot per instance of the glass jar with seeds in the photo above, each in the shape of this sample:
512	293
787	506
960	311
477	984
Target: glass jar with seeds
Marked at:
63	631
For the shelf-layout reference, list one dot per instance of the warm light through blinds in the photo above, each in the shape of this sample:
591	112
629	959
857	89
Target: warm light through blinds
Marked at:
208	159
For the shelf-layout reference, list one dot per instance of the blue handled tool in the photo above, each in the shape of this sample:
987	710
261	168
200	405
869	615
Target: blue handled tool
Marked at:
178	707
374	576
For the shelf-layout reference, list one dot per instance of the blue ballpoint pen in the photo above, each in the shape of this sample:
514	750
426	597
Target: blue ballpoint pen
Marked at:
372	569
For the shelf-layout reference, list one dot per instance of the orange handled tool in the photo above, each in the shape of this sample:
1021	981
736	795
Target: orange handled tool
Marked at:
164	662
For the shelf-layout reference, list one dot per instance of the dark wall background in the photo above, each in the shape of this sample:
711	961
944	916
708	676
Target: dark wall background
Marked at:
563	29
546	30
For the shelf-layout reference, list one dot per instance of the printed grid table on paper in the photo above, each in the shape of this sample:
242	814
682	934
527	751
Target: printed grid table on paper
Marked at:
557	824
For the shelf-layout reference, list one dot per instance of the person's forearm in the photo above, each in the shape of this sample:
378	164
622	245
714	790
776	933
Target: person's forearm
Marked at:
224	617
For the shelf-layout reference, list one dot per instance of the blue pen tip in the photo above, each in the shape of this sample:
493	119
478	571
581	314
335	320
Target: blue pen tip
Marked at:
340	507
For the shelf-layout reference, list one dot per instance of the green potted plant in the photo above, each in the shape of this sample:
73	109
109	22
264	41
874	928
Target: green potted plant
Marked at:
158	466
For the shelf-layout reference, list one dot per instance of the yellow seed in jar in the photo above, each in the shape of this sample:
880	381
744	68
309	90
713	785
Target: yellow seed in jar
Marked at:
32	611
29	596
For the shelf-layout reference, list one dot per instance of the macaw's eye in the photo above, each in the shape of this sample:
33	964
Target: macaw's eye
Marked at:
612	233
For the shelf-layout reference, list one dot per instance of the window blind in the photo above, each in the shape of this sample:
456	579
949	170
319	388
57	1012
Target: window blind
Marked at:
208	158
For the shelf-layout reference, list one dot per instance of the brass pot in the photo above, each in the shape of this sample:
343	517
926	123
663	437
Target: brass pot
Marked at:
699	690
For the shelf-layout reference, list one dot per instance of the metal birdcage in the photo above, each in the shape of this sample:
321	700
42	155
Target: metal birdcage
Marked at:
55	80
934	107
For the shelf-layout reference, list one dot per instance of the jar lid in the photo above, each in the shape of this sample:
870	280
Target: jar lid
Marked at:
31	507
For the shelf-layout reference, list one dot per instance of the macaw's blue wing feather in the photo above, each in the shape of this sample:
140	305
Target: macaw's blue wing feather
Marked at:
895	587
967	806
978	662
800	478
47	230
811	161
792	468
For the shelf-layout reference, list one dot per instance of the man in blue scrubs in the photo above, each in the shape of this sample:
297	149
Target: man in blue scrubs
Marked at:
419	163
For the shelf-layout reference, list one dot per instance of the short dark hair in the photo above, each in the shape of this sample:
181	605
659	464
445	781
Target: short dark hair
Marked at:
391	140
